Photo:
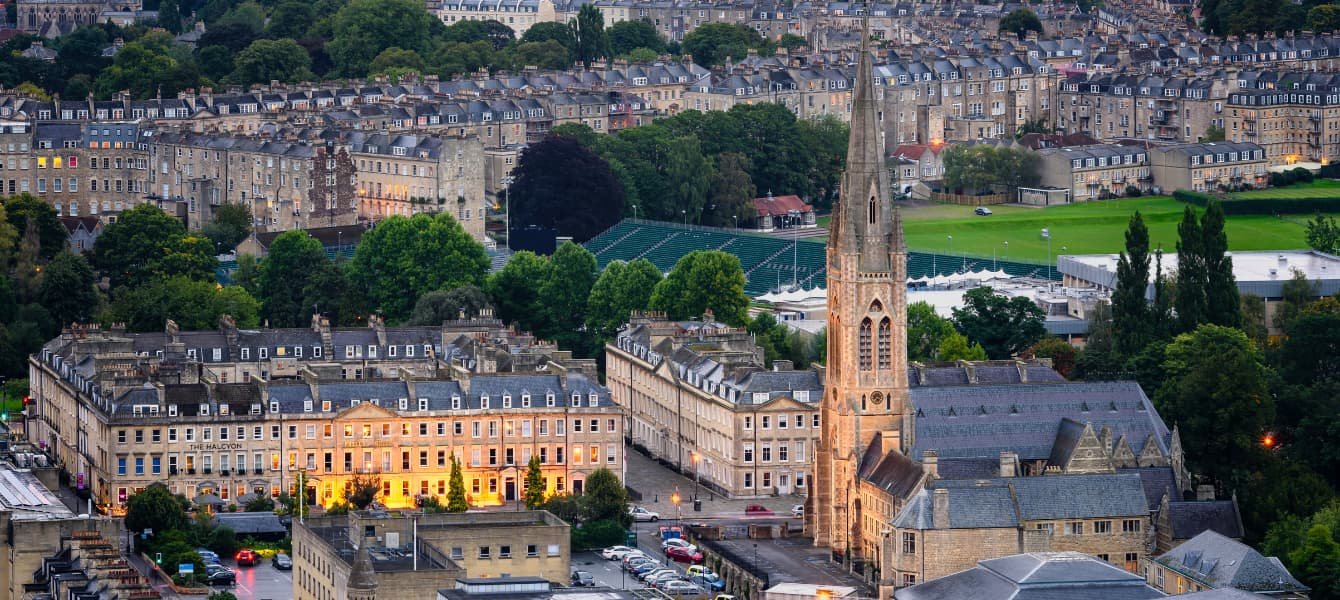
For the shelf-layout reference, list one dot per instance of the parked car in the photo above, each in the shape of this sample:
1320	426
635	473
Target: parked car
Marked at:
247	558
725	597
642	514
615	552
220	576
709	580
676	543
659	580
644	569
696	570
982	211
583	579
283	562
207	556
653	573
634	556
757	510
681	589
798	511
684	555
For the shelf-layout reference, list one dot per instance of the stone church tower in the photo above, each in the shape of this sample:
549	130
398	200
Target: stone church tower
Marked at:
865	406
362	577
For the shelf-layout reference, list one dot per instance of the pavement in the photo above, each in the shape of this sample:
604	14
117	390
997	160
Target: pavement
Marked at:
657	484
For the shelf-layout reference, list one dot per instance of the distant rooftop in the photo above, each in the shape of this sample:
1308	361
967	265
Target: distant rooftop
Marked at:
1258	272
25	496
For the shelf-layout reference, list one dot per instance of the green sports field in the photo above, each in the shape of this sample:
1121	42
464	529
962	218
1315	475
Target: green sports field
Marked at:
1321	188
1084	228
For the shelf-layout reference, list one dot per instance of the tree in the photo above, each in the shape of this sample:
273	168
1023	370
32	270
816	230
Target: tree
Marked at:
1213	133
145	244
1061	353
1317	562
147	67
605	499
1191	275
233	36
395	61
1324	17
364	28
567	285
1215	392
1310	352
69	289
711	44
1003	326
215	62
792	42
291	19
294	256
730	192
589	32
438	306
248	14
259	504
155	508
982	167
687	174
703	280
1295	294
955	347
1221	288
1020	21
231	224
1161	311
626	36
403	258
456	490
496	34
826	137
534	484
1254	319
621	289
191	304
27	267
247	275
515	289
549	30
363	490
1130	308
926	331
562	185
781	157
271	60
1323	233
24	208
223	541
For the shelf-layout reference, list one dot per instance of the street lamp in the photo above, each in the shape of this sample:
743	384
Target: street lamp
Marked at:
686	217
635	212
737	220
696	473
1047	235
674	499
1007	250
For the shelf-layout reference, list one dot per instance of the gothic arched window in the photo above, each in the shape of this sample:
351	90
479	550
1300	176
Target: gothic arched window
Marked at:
865	350
873	210
885	344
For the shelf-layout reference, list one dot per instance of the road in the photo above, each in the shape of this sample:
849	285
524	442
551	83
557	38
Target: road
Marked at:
261	582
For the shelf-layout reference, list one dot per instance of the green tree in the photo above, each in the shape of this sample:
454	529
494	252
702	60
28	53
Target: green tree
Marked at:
781	157
293	258
155	508
1254	319
215	62
730	193
363	490
567	285
271	60
146	244
1061	353
1003	326
1215	392
515	289
1130	308
230	225
24	208
69	289
1191	276
27	267
223	541
402	258
364	28
983	167
604	498
396	60
1295	295
549	30
626	36
291	19
711	44
1324	17
456	488
1221	288
926	331
534	484
548	55
702	281
1323	233
1020	21
642	55
438	306
1213	133
169	16
826	137
248	273
328	292
588	30
955	347
792	42
1317	563
148	67
193	305
562	185
688	175
621	289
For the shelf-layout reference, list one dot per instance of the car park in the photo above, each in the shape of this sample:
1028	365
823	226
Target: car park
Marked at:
247	558
635	556
645	568
583	579
757	510
681	589
220	576
709	580
697	570
615	552
684	555
658	580
653	573
642	514
283	562
676	543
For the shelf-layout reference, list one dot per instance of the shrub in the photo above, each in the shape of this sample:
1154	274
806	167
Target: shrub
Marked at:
1133	192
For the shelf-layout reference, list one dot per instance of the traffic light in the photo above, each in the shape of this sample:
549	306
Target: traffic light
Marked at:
27	400
158	558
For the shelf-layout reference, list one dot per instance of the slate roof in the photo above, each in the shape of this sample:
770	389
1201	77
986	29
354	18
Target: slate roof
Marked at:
1221	562
291	397
251	522
1009	502
1157	481
1037	576
1190	519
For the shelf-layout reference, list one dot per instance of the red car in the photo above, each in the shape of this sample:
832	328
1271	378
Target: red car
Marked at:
247	558
684	555
757	510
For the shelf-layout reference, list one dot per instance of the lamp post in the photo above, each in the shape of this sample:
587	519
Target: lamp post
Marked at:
634	211
1047	235
696	473
686	217
737	220
674	499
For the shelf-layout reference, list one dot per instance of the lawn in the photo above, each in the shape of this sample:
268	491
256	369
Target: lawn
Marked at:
1083	228
1321	188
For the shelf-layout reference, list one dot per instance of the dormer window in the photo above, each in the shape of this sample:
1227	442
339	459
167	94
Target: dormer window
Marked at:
423	404
484	402
264	353
549	399
403	404
507	401
525	400
576	400
455	402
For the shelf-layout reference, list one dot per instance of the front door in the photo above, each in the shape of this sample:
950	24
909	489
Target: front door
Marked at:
509	489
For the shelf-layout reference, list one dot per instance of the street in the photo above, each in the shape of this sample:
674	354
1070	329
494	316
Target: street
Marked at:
261	582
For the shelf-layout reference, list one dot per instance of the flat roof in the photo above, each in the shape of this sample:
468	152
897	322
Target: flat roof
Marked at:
1258	272
25	496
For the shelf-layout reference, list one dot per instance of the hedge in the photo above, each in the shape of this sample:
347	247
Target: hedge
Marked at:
1264	206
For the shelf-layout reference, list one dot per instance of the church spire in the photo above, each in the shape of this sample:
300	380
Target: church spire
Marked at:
866	222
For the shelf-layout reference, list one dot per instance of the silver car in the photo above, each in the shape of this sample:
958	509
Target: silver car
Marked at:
681	589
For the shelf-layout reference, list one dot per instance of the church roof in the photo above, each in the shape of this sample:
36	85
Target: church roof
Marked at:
1191	518
362	576
1227	563
893	472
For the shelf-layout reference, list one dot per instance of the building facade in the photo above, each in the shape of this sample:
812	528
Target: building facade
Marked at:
1095	171
1208	166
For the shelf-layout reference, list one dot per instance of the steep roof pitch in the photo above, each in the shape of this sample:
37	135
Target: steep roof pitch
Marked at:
1227	563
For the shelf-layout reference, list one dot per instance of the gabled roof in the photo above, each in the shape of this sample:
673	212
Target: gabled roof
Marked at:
1222	562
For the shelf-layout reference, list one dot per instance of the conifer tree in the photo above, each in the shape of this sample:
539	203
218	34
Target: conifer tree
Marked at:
456	489
1191	280
1130	308
1222	305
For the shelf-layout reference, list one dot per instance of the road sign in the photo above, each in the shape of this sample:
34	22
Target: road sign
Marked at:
186	568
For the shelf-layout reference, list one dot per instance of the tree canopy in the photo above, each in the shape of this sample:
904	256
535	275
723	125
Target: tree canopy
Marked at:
562	185
703	280
1020	21
1003	326
146	244
402	258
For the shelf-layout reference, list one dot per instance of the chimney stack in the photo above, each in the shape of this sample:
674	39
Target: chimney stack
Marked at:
930	462
1204	493
940	512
